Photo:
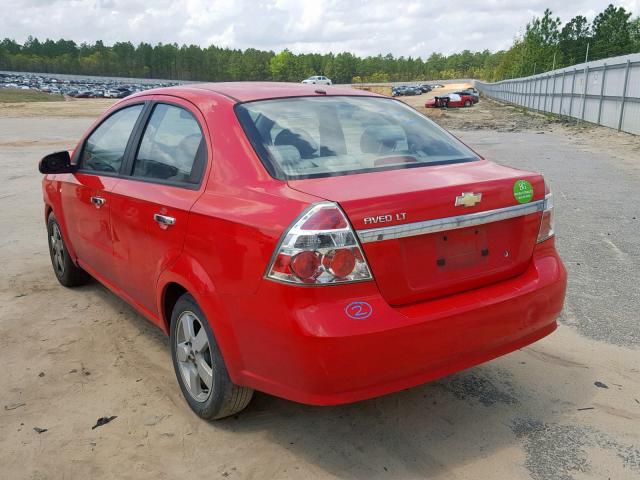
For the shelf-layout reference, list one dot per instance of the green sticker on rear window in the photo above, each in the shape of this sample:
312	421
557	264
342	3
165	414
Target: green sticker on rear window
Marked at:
522	191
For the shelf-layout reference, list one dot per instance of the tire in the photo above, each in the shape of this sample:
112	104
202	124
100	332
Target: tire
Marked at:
467	103
195	353
66	271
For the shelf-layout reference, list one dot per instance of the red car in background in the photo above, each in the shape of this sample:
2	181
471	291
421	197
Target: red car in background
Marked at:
450	100
322	245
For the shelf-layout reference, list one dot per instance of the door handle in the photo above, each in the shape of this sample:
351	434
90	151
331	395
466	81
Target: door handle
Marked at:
164	219
98	201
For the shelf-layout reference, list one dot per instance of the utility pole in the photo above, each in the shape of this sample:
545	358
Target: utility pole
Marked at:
586	57
554	61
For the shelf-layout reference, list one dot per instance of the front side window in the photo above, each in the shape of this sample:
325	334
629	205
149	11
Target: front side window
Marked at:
307	137
170	147
104	149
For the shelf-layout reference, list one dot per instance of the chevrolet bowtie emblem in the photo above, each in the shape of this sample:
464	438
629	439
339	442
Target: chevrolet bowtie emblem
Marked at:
468	199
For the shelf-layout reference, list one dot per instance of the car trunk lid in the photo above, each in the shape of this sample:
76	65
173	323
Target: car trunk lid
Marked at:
421	245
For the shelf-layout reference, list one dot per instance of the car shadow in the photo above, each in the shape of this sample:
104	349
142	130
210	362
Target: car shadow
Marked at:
429	430
401	435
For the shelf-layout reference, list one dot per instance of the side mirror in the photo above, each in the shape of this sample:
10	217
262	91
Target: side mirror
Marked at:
58	162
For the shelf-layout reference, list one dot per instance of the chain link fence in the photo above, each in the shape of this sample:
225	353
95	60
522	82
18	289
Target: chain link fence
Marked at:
605	92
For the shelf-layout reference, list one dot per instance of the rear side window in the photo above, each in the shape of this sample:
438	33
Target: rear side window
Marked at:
172	147
104	149
307	137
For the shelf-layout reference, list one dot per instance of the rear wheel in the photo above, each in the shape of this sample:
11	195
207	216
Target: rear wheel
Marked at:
199	366
67	272
467	103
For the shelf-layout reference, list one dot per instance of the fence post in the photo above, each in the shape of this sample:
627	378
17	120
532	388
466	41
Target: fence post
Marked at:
584	93
561	93
624	94
539	93
604	76
522	87
546	92
532	86
573	85
553	88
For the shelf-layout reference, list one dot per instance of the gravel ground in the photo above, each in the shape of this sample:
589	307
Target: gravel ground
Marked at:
567	407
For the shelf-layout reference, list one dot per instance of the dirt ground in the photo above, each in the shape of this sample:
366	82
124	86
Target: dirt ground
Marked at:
567	407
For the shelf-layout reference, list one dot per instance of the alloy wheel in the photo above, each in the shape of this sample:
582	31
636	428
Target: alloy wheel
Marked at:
193	354
57	249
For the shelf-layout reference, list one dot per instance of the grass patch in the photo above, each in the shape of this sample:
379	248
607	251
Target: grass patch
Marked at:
16	95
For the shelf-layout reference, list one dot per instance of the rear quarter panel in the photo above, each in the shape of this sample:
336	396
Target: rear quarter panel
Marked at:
236	224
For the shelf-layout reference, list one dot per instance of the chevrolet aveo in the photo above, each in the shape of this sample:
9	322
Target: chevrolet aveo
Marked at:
325	246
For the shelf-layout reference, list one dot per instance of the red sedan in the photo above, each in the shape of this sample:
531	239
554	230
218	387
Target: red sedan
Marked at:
322	245
451	100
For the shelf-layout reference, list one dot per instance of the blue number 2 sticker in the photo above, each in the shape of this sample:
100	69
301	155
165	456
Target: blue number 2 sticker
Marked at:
358	310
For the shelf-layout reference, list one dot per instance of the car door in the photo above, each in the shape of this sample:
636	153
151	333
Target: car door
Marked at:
86	195
151	204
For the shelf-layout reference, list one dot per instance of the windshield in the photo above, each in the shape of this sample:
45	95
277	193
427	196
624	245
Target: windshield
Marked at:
308	137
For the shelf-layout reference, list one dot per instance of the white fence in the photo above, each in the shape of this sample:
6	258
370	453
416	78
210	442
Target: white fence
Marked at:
606	92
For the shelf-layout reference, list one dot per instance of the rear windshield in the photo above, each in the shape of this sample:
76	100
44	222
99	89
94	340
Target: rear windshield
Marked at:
309	137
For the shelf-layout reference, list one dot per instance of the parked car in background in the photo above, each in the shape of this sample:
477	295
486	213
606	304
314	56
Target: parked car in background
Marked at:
406	90
475	95
450	100
425	88
318	80
437	85
321	246
90	87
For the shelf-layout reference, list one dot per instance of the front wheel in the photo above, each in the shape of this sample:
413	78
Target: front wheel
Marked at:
467	103
199	366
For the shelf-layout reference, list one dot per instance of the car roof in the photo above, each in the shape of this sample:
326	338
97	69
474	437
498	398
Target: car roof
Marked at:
250	91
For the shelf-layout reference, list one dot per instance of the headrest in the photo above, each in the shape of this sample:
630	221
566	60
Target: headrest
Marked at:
381	138
298	139
285	154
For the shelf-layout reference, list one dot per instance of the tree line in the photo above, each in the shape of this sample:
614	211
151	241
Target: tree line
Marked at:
546	43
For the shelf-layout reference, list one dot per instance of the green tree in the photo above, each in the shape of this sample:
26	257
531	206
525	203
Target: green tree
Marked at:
634	30
282	66
611	33
540	43
574	37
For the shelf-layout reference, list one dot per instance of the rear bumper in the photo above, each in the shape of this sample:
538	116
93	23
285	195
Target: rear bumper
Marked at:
299	343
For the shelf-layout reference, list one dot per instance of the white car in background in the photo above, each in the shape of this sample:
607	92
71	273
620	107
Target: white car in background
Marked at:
318	79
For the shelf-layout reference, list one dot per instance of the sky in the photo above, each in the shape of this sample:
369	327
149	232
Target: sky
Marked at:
369	27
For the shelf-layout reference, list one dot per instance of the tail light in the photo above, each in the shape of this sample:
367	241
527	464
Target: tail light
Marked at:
320	248
546	224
